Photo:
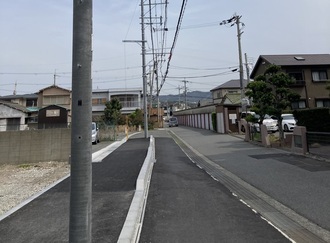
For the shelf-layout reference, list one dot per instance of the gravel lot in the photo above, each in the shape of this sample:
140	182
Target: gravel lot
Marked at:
19	182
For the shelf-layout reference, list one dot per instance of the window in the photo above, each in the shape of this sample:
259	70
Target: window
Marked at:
298	76
56	100
99	101
323	103
319	75
298	104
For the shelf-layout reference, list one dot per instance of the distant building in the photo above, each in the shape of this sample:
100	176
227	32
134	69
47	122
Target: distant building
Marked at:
53	116
54	96
228	90
310	71
14	117
26	100
130	99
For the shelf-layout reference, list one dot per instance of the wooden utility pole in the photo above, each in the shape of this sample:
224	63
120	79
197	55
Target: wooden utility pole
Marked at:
80	227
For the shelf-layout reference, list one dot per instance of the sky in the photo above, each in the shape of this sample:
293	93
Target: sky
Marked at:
36	41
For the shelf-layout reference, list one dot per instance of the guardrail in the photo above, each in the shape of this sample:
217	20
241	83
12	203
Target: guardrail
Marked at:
133	223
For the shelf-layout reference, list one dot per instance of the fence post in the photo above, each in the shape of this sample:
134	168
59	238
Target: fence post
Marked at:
299	140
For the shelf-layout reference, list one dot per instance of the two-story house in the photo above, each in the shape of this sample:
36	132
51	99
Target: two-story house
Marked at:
310	71
230	90
130	100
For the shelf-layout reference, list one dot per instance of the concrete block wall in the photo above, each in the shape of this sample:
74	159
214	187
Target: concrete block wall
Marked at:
19	147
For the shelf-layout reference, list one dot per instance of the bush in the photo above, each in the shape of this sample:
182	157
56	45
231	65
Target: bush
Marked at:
315	120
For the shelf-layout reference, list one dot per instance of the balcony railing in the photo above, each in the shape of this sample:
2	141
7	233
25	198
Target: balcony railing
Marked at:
126	104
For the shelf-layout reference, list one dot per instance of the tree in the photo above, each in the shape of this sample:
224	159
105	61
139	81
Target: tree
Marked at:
136	118
112	111
271	94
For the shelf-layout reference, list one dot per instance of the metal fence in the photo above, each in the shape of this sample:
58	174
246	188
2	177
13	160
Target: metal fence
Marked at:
319	143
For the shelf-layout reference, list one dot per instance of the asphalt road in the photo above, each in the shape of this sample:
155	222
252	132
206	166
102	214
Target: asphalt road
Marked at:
188	202
186	205
299	183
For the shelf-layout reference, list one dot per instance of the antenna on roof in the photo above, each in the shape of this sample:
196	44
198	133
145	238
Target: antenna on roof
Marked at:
55	77
14	93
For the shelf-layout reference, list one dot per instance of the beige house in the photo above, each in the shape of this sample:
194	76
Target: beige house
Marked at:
228	89
310	71
55	95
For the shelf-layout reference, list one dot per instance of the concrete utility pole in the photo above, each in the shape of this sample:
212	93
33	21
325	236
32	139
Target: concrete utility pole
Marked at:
179	88
144	77
239	33
80	228
247	69
237	18
185	93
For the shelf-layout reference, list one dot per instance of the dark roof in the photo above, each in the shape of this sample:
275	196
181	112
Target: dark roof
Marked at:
23	96
298	59
53	106
292	60
234	83
14	106
54	86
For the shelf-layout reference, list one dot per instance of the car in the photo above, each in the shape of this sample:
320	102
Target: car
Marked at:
244	115
269	121
173	122
288	122
95	133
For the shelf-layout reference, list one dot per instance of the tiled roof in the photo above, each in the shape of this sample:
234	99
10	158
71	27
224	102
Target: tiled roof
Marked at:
14	106
292	60
298	59
54	86
234	83
23	96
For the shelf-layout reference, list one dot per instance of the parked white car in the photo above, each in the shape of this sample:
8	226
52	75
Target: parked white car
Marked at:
269	121
288	122
95	133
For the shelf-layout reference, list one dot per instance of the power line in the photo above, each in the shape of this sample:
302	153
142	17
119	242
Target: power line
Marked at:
204	76
183	7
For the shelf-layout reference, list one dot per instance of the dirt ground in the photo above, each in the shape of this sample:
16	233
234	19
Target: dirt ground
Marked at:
19	182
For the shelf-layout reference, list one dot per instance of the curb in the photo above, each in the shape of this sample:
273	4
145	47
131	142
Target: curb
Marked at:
134	220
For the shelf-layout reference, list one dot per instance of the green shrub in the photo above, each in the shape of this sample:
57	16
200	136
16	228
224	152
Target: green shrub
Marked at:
315	120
